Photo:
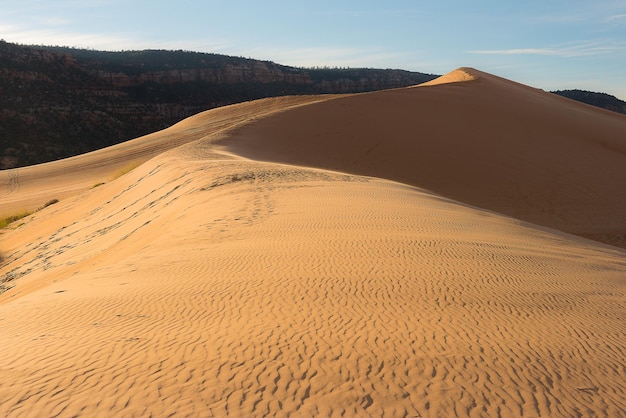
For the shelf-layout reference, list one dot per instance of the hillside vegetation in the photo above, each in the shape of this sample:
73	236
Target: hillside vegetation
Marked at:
602	100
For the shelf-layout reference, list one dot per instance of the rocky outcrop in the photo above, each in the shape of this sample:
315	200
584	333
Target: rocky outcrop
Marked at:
257	72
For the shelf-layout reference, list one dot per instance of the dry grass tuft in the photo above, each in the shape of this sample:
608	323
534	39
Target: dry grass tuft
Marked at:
126	169
4	222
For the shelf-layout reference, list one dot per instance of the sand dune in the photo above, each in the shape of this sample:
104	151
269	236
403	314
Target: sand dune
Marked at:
488	142
30	187
204	283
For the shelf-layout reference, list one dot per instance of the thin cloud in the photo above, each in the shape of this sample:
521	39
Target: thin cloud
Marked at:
400	14
55	21
323	56
299	57
592	14
618	18
57	34
559	19
79	40
580	50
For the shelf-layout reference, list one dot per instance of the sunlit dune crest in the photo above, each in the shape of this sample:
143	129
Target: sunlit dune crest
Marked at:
456	76
490	142
400	253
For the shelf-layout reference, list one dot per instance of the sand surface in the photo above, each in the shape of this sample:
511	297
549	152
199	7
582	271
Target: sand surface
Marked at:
269	260
485	141
29	188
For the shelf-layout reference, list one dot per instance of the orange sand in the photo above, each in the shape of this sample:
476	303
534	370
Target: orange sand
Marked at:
204	283
488	142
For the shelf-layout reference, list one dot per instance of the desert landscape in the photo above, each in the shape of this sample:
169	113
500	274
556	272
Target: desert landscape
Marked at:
456	248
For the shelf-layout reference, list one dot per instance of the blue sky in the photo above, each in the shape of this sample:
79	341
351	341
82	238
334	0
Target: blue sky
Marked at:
549	44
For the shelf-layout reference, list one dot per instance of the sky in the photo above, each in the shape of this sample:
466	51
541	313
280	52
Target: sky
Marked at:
548	44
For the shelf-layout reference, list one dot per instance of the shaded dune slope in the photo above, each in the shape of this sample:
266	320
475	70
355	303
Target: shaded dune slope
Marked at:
471	136
204	283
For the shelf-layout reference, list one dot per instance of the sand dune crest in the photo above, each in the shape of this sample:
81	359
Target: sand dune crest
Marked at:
490	142
456	76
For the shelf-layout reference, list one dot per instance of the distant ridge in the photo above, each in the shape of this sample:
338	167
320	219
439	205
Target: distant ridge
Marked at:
57	102
603	100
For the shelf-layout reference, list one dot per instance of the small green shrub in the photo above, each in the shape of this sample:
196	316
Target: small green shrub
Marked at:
4	222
